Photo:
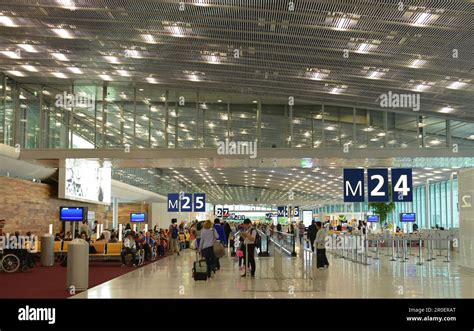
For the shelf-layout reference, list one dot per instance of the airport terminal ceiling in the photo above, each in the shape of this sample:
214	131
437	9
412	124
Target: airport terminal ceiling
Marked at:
169	74
265	49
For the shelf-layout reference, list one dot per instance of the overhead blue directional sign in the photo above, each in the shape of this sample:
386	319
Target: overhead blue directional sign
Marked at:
377	184
353	185
173	202
402	185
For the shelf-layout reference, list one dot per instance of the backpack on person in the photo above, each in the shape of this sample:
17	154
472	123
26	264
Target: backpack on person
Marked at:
258	239
174	232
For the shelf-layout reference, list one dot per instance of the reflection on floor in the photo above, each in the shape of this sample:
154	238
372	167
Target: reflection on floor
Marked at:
171	278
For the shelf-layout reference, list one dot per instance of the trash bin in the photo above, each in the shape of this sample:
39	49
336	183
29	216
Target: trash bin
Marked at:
47	250
78	265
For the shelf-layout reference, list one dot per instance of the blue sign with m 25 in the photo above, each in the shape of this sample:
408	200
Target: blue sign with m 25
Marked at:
186	202
353	185
173	202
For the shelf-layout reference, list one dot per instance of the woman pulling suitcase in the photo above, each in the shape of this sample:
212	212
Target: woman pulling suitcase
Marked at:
206	246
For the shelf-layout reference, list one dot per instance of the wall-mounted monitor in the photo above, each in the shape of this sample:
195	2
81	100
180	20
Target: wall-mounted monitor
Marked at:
72	214
138	217
373	218
307	217
407	217
86	180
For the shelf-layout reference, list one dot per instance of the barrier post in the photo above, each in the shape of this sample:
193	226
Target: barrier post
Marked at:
393	250
420	252
448	248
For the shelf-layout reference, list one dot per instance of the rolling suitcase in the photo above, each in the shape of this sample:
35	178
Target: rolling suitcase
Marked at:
200	270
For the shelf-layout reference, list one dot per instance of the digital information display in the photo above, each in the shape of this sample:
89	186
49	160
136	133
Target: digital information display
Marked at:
71	214
407	217
86	180
373	218
137	217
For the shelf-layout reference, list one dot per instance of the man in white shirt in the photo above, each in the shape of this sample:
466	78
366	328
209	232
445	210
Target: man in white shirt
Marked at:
129	247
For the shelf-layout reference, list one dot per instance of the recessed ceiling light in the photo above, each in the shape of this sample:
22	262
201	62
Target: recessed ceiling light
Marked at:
59	75
151	80
63	33
28	48
105	77
417	63
446	110
123	73
111	59
456	85
29	68
75	70
7	21
148	38
10	54
60	56
16	73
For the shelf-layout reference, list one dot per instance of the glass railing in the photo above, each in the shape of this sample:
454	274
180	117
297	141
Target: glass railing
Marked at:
287	241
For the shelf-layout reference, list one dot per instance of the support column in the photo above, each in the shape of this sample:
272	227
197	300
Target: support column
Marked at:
290	114
134	116
448	133
104	115
115	213
259	123
451	199
466	217
41	117
354	126
427	204
16	114
4	137
167	119
196	120
122	118
228	120
71	121
323	133
176	128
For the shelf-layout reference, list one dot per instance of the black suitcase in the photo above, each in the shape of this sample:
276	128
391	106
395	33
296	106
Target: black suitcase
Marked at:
200	270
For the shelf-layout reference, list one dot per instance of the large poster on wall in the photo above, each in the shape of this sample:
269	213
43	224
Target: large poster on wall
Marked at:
86	180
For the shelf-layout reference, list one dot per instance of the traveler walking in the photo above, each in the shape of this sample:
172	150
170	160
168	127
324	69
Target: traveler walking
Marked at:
320	243
312	230
174	237
249	234
206	246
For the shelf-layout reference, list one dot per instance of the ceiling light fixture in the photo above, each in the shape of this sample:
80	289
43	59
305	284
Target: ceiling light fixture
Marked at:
7	21
75	70
63	33
10	54
28	48
456	85
60	56
29	68
59	75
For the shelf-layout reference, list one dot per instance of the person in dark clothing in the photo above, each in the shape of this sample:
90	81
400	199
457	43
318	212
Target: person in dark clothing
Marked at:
312	230
222	238
227	231
279	227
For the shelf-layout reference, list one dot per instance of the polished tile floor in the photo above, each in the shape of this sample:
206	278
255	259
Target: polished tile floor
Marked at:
171	278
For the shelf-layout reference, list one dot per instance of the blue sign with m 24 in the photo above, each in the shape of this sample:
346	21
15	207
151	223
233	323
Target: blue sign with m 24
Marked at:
378	185
353	185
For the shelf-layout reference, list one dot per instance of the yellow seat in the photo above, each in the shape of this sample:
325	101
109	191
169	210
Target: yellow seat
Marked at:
65	246
99	248
114	249
57	246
